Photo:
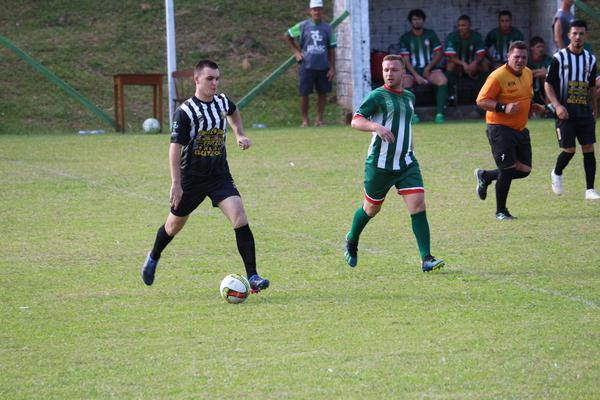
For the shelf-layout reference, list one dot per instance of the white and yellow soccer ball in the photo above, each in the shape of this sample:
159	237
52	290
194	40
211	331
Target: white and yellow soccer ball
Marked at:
235	288
151	125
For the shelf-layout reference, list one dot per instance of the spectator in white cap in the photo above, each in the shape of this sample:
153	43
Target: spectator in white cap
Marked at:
315	55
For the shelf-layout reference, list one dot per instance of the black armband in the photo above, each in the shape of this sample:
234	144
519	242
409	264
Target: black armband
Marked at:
500	107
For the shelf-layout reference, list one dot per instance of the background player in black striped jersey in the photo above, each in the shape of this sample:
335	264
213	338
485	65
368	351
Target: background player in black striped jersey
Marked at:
198	163
570	88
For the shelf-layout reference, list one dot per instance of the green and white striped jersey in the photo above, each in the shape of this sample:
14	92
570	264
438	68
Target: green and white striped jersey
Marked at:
420	48
394	110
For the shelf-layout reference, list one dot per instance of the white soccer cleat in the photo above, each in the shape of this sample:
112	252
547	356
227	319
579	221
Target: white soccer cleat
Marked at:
591	194
557	183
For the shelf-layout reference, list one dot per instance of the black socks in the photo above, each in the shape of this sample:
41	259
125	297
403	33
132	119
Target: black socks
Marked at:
589	165
245	245
162	240
562	160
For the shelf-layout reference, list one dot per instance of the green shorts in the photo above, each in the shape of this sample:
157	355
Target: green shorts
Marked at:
379	181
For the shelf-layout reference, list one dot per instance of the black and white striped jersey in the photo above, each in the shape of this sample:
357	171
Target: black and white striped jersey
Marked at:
572	75
200	127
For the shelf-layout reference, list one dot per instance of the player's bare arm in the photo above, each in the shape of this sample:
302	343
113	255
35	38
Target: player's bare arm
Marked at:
235	121
362	124
434	61
175	166
561	111
420	80
593	100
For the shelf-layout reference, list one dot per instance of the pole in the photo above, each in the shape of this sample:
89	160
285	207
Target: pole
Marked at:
171	56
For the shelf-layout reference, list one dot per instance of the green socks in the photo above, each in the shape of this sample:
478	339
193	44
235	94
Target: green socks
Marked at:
420	228
441	97
358	224
451	76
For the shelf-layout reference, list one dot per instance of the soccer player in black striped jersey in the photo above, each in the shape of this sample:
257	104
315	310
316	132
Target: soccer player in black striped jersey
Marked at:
570	88
198	163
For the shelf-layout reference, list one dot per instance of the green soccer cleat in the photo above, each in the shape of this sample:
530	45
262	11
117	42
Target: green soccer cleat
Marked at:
439	118
415	119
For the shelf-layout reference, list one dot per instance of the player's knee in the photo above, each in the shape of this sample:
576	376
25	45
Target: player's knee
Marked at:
371	209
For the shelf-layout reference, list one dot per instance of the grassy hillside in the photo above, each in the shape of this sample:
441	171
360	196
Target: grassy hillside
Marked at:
86	42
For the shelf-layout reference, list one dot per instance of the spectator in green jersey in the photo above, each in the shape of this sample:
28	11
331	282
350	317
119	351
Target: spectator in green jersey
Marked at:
386	114
422	52
499	39
466	53
538	63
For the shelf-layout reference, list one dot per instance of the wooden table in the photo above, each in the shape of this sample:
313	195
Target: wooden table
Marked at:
154	80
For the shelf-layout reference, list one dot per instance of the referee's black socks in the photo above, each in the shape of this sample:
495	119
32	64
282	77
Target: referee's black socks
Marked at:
245	245
503	185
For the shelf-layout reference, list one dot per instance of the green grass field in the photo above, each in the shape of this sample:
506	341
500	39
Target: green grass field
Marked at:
516	314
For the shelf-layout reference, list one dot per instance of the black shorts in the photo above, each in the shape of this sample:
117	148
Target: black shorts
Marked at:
509	145
584	129
312	78
196	188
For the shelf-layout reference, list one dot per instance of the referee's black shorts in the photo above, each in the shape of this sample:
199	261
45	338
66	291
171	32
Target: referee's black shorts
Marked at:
584	129
196	188
509	145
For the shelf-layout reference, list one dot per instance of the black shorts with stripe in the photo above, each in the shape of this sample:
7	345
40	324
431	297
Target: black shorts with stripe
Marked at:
509	145
196	188
583	128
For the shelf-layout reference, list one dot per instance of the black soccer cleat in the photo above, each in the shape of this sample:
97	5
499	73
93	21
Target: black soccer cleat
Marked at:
504	215
351	253
482	184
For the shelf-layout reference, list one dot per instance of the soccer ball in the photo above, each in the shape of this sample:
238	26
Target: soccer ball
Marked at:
151	125
235	288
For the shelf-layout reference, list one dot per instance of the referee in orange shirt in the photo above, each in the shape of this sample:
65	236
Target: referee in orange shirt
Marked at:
506	96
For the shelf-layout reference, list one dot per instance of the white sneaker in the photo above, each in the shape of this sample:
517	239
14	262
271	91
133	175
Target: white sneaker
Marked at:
591	194
557	183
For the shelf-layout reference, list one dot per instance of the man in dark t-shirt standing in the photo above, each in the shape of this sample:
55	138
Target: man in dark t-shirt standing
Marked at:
315	54
199	168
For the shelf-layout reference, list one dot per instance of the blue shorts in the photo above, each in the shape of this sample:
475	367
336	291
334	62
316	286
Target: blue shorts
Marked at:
313	78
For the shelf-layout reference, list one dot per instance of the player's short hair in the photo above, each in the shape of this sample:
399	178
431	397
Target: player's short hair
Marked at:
505	12
203	64
417	12
578	23
465	17
518	44
535	40
394	57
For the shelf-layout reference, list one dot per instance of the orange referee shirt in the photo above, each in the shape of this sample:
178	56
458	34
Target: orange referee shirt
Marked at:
504	86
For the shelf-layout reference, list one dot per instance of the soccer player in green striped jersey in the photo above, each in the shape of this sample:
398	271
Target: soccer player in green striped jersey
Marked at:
422	52
499	39
386	113
466	53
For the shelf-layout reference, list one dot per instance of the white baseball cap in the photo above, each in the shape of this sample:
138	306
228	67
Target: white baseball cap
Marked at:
316	3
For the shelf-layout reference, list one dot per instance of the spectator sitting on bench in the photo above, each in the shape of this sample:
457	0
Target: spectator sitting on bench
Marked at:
466	55
538	63
499	39
422	52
